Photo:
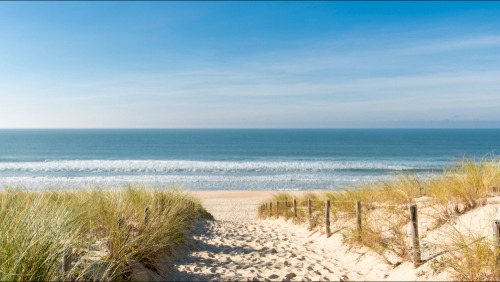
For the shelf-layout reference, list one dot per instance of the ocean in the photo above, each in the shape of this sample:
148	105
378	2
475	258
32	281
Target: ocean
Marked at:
231	159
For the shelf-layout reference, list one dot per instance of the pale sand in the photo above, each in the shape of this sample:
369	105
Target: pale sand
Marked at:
235	205
237	246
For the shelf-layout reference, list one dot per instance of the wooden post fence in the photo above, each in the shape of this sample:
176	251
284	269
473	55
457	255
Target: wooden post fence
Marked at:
414	234
310	212
67	258
327	218
286	207
358	218
121	223
146	215
295	208
270	209
496	242
416	253
277	209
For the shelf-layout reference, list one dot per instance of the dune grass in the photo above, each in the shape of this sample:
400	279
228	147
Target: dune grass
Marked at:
38	226
470	256
385	219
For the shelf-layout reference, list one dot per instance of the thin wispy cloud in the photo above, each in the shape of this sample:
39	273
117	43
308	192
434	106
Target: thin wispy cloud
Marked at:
452	44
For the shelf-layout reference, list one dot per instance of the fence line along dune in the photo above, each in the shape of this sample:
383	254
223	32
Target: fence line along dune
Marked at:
443	222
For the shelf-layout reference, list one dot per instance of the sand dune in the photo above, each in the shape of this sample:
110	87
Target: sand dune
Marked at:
237	246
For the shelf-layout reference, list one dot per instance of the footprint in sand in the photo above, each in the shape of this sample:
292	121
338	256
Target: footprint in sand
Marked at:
273	276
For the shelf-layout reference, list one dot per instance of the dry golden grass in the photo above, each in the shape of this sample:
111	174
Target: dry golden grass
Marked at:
385	217
38	226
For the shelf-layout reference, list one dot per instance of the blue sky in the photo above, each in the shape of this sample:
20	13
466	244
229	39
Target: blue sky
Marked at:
249	64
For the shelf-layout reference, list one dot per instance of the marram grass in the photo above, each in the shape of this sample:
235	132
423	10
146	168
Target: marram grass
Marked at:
459	189
38	226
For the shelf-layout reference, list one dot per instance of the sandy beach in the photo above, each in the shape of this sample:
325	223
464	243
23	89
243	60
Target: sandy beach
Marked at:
238	246
235	205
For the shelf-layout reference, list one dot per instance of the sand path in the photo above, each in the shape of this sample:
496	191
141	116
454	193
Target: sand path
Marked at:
237	246
240	250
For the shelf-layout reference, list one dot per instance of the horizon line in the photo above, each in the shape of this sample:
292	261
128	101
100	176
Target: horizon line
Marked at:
238	128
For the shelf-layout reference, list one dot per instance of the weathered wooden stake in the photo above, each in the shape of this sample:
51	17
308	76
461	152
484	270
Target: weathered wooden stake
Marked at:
286	207
358	218
327	218
121	223
310	211
270	209
277	209
496	241
414	234
67	258
295	208
146	215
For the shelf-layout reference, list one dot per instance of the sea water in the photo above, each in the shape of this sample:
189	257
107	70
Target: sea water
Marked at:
232	159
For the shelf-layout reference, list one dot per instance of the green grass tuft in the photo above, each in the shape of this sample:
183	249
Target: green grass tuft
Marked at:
38	226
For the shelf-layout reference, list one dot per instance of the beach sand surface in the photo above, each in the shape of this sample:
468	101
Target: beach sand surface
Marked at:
236	205
238	246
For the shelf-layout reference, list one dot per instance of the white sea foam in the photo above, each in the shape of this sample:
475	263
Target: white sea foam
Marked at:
215	182
154	166
199	175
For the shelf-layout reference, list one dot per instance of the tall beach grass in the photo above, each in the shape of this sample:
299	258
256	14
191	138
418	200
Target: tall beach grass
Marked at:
441	198
108	231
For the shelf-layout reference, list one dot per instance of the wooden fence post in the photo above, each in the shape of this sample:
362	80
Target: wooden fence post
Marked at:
327	218
358	218
67	258
295	208
270	209
146	215
310	211
121	223
277	209
496	242
286	206
414	234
